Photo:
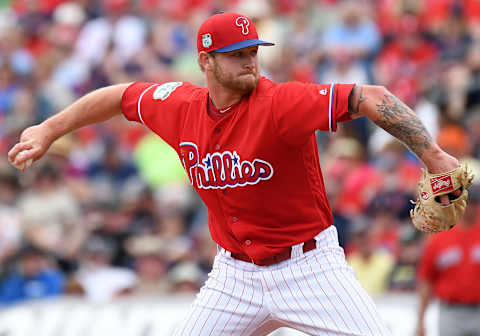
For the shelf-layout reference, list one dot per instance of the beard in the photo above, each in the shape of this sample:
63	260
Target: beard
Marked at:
242	83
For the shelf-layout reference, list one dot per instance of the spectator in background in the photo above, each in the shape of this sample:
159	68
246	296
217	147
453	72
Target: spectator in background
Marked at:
169	232
355	36
350	182
186	278
158	165
402	278
453	39
473	127
51	213
456	78
10	216
111	225
400	173
406	61
143	211
372	265
97	279
7	88
449	270
351	179
344	69
118	28
151	266
35	277
456	141
302	52
473	61
112	173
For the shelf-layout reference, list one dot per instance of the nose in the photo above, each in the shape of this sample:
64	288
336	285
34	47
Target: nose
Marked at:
249	62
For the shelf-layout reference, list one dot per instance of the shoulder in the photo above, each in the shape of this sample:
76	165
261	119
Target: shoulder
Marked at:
273	89
144	98
163	90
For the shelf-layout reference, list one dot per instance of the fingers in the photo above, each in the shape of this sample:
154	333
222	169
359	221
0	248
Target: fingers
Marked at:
444	200
13	154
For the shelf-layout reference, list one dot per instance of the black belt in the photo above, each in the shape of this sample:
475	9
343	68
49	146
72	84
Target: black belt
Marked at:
283	255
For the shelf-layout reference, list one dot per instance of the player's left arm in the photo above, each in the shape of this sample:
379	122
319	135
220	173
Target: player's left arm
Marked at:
395	117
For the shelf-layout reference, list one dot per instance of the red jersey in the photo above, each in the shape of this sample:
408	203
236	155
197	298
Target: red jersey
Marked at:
451	263
257	168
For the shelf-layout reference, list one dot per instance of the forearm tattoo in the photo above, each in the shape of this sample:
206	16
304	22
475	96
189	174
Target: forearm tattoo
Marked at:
400	121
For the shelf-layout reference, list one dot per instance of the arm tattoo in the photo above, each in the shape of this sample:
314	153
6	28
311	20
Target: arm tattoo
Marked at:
354	101
400	121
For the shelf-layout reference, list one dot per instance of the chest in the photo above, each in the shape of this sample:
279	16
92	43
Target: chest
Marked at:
458	254
239	149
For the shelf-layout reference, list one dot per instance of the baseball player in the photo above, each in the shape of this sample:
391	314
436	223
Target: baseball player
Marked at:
249	149
449	271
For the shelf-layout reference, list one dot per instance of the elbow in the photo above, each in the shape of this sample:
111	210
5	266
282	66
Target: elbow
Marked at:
376	93
373	97
363	100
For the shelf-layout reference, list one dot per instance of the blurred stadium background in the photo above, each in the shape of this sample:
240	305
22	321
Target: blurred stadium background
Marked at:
106	224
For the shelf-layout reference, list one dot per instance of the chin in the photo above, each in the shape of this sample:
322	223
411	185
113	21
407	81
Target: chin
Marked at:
248	83
245	83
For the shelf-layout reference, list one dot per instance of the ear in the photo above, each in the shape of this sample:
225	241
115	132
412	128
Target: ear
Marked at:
205	60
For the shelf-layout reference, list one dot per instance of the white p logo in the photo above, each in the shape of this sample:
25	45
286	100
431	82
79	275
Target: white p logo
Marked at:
243	22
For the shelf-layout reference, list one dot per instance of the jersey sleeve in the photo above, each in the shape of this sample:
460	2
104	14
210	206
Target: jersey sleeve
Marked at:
159	106
299	109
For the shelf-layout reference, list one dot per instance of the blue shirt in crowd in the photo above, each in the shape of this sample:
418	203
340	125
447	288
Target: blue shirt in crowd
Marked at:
17	288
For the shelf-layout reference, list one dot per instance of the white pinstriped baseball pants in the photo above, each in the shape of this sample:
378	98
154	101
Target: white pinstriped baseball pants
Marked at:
314	292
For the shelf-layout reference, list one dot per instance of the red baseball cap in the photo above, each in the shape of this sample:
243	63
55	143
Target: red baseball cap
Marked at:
227	32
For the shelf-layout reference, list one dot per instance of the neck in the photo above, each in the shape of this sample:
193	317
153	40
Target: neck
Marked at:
221	96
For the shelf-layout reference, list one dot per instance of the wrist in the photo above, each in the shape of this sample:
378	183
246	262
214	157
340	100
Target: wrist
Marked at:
50	130
438	161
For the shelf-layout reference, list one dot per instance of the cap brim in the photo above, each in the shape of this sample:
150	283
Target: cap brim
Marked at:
243	44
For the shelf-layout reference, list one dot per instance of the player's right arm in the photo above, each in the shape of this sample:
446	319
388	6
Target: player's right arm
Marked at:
97	106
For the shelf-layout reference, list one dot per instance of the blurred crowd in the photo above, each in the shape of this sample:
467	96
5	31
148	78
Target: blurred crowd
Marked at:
108	211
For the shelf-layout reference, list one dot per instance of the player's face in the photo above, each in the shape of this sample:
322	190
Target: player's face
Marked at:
237	70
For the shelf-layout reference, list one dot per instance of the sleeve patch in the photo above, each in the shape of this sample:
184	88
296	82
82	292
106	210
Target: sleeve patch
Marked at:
163	91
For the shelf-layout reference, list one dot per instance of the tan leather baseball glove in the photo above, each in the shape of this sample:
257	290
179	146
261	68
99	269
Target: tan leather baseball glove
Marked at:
430	215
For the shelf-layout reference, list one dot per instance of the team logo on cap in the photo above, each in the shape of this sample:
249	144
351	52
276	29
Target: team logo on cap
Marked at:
243	22
207	40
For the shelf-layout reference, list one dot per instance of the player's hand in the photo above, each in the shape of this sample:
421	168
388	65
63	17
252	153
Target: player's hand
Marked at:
445	162
33	144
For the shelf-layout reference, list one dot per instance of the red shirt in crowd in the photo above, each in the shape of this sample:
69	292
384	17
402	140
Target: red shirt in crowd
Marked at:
256	168
451	263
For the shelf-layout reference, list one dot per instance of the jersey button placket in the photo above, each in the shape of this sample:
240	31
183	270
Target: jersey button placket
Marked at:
234	219
248	242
